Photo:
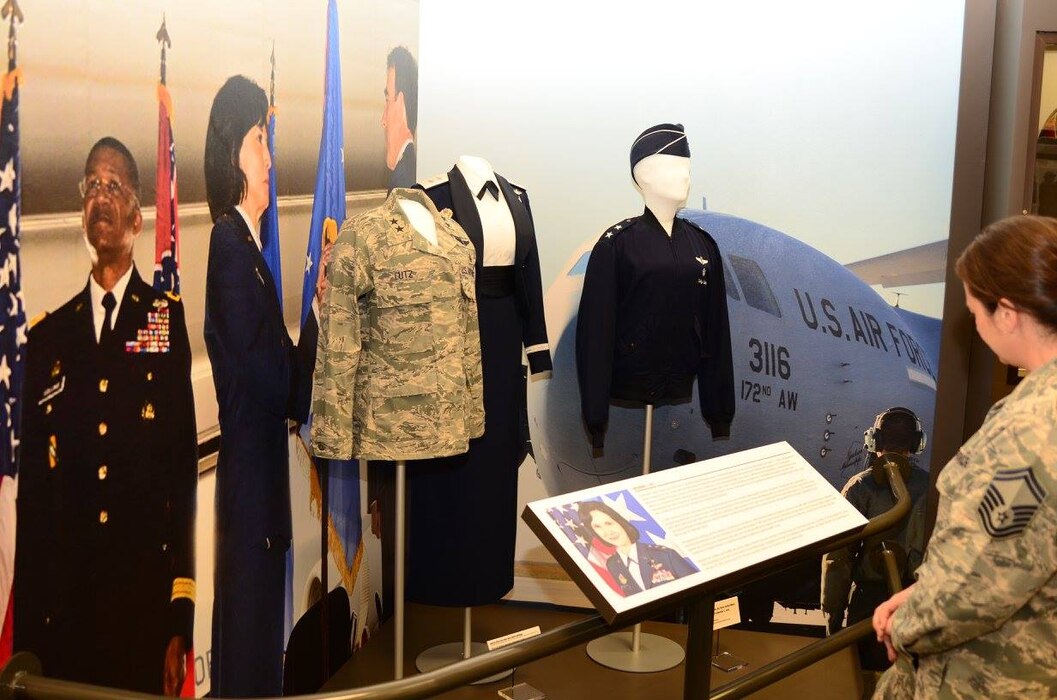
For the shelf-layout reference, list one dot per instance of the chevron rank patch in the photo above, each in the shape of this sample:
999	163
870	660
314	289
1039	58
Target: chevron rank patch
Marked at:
1010	502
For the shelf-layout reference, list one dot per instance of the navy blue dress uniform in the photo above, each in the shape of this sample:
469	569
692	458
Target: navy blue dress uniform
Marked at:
653	316
655	564
262	379
104	573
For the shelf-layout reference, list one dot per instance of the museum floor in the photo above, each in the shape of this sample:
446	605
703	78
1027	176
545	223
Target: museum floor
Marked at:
572	675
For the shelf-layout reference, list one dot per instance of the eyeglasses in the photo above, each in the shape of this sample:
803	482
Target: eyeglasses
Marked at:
92	188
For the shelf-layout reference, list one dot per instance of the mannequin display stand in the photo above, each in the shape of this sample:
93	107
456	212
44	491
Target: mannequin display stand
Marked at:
398	569
445	654
634	651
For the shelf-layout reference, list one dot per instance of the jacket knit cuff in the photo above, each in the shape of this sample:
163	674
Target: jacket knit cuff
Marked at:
182	618
720	430
598	437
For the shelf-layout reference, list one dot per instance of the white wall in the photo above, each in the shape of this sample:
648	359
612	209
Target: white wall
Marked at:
830	121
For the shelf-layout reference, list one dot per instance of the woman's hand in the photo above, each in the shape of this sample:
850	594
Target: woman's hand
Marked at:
882	619
321	276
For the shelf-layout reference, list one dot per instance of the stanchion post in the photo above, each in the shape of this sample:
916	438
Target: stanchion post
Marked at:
697	683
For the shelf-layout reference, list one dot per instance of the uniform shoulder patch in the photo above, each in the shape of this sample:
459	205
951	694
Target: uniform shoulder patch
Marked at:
433	181
1010	502
696	225
616	228
38	318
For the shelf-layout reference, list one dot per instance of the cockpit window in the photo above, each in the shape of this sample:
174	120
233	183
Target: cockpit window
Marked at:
754	284
732	286
580	268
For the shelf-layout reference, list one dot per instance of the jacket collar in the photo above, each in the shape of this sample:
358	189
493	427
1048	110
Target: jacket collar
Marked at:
259	263
128	315
447	237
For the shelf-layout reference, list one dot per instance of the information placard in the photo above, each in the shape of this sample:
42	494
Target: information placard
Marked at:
636	541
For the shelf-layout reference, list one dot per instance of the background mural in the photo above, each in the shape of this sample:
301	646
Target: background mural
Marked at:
95	69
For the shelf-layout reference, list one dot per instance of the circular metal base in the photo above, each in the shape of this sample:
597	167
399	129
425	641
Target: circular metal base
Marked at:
655	653
446	654
22	662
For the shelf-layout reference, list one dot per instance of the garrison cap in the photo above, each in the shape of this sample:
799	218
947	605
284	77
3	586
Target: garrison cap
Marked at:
666	139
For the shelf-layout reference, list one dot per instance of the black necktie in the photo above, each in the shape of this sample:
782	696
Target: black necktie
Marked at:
109	302
491	188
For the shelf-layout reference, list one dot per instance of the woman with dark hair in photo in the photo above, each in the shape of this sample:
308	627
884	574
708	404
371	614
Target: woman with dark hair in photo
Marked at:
262	379
636	565
981	619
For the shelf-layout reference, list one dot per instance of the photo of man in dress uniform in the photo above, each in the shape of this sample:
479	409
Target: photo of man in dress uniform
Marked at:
104	576
400	117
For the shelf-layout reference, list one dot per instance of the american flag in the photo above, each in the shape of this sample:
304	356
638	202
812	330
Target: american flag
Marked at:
579	533
12	326
167	223
568	521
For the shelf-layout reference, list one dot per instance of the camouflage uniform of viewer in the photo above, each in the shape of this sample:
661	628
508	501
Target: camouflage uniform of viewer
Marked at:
982	617
398	370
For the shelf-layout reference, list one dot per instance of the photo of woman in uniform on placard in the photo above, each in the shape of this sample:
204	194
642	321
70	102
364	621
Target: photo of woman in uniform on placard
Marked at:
636	565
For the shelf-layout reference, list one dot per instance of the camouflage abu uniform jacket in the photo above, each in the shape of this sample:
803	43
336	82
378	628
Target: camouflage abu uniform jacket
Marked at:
982	617
398	367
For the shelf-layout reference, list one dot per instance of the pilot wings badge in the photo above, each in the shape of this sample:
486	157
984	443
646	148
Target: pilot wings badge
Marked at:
703	279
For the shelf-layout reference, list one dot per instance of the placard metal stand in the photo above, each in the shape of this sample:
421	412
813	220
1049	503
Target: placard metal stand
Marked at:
637	652
444	654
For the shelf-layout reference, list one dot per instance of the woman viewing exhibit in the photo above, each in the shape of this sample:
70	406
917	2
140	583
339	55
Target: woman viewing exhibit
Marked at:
981	619
262	378
637	566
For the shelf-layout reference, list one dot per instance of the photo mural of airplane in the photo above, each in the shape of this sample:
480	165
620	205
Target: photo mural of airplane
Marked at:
817	355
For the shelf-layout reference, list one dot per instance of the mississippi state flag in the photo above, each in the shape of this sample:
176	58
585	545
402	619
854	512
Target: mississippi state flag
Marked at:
167	224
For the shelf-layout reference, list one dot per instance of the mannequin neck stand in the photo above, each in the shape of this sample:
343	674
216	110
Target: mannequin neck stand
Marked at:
420	219
476	167
664	182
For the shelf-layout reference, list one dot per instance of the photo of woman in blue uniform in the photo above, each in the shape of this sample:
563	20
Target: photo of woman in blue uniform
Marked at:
636	565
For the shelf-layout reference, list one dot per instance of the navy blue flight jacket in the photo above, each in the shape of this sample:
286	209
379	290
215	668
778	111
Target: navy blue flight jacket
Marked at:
653	315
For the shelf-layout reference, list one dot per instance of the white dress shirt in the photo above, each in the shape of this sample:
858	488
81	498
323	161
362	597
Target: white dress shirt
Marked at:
97	293
497	225
252	226
631	562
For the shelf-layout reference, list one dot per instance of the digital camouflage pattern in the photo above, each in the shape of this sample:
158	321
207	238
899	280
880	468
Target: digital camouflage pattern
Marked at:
982	617
398	367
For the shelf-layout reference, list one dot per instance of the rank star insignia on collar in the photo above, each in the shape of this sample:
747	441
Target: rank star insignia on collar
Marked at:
609	234
701	260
